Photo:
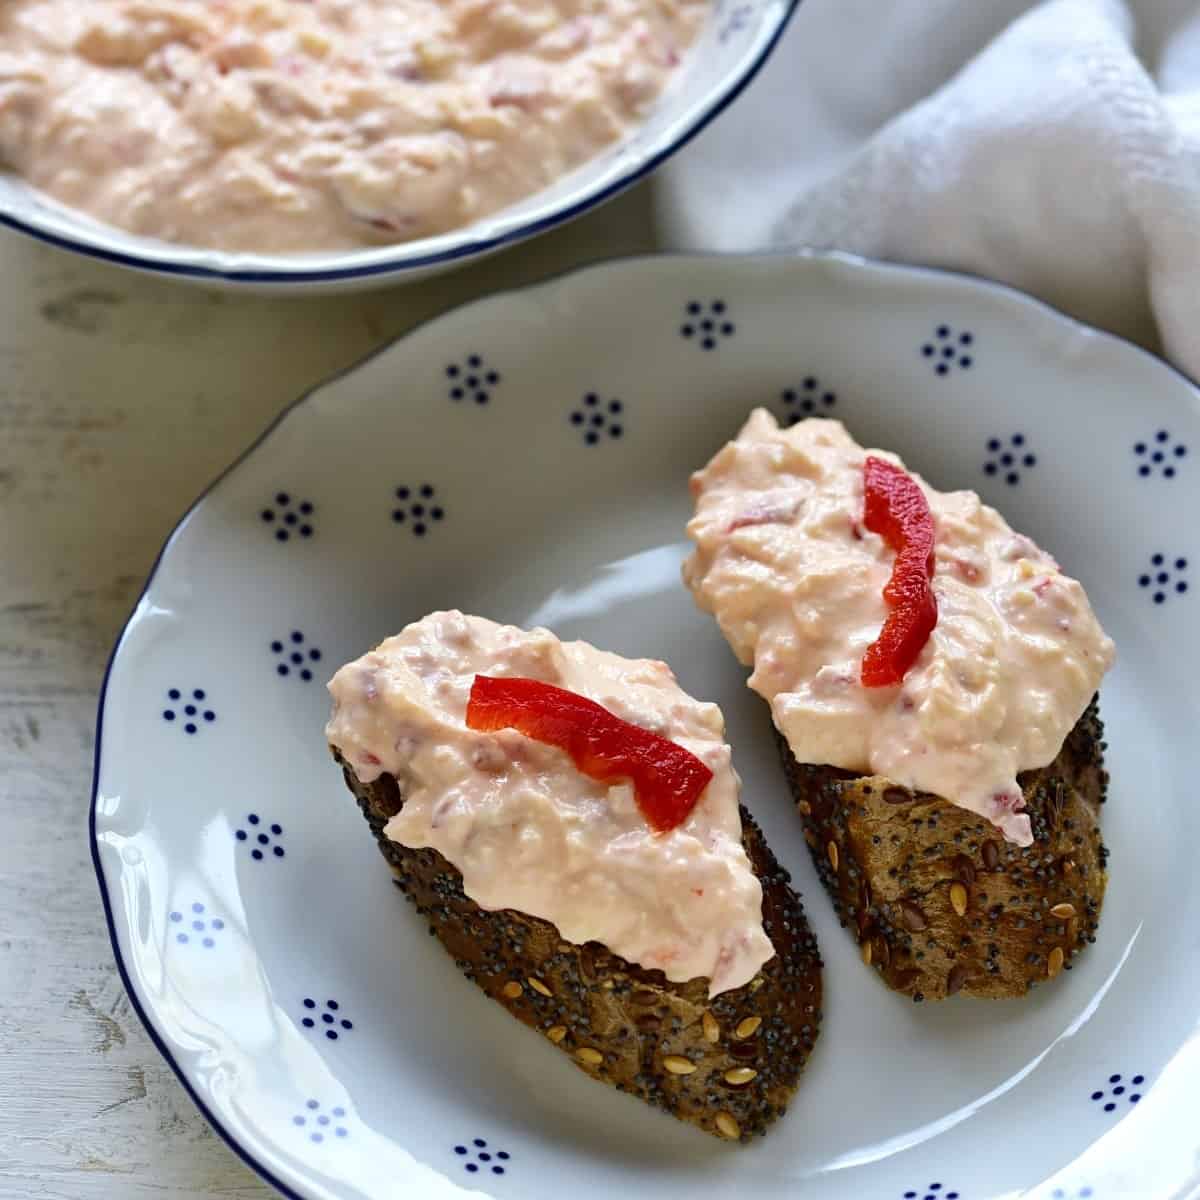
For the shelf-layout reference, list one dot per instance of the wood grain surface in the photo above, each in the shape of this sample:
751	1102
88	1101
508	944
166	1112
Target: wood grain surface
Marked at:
121	397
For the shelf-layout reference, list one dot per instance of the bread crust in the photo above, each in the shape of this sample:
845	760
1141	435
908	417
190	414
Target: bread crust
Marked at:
728	1065
938	902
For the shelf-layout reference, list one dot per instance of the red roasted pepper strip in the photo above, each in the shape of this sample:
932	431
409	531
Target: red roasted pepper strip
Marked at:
667	779
897	510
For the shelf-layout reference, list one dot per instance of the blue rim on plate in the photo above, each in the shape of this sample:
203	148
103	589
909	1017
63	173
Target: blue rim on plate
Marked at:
849	262
162	265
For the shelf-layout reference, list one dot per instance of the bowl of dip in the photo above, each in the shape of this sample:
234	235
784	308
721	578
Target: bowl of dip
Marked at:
346	143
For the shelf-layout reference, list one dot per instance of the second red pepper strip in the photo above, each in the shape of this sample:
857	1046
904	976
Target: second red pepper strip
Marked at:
667	779
897	510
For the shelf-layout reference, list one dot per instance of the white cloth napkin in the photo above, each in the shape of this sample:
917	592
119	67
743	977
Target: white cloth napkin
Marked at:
1052	146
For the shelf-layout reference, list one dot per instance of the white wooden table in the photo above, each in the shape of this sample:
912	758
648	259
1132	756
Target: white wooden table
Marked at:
120	400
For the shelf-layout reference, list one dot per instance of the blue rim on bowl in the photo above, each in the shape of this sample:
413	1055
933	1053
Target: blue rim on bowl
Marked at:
398	260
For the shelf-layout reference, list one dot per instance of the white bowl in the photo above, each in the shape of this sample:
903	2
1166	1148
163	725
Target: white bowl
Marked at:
732	47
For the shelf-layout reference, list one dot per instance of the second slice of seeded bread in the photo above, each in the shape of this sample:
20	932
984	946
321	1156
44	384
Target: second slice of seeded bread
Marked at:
938	902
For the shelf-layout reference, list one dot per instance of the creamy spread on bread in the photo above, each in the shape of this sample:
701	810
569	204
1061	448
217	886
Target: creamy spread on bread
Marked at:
783	561
278	126
530	832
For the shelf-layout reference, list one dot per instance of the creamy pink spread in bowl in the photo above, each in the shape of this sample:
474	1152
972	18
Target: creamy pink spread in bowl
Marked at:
343	142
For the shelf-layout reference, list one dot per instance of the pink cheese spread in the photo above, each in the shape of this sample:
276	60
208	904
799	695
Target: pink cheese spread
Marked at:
784	564
274	125
527	830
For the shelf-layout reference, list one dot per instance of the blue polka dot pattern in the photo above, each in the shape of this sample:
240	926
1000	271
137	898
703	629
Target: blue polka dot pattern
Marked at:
706	324
933	1191
807	399
294	657
1159	455
286	516
417	508
189	712
733	18
1119	1091
1007	457
197	928
263	839
949	348
327	1018
1166	576
480	1157
471	380
319	1124
597	419
1084	1193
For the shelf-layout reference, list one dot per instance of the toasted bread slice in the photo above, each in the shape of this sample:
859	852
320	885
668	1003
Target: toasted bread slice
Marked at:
938	901
727	1065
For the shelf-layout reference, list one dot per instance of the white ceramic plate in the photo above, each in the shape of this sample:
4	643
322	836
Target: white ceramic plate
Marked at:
527	457
733	45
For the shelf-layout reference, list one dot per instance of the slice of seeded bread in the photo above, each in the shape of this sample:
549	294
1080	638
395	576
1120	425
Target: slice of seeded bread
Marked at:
728	1065
938	901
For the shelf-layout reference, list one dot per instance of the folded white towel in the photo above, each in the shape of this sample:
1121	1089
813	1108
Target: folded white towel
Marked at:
1053	160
